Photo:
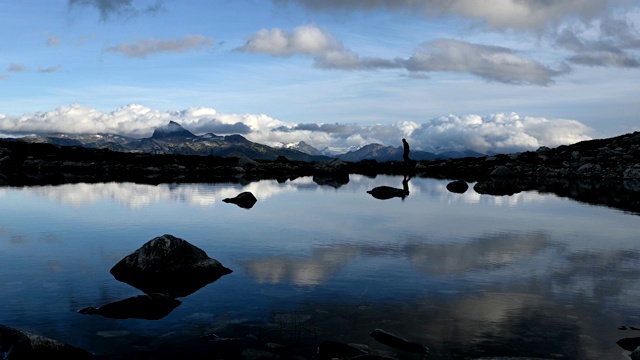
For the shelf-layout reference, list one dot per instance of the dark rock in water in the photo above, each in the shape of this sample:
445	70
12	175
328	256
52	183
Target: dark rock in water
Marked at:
629	344
397	342
22	345
337	350
458	186
387	192
168	265
148	307
244	200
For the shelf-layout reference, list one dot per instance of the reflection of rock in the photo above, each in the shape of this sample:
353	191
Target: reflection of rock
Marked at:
387	192
16	344
305	272
458	186
148	307
332	179
397	342
629	344
169	265
244	200
498	186
483	254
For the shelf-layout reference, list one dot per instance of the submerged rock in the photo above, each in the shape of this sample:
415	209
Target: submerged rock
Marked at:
244	200
148	307
18	345
397	342
168	265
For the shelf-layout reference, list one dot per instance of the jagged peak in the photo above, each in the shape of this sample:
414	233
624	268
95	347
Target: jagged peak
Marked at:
172	129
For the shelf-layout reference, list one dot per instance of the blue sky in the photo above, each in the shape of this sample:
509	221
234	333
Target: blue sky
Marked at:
491	75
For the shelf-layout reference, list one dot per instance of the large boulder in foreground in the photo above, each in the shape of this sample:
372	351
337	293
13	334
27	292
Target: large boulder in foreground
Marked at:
168	265
21	345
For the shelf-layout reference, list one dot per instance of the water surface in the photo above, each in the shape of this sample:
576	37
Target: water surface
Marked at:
468	275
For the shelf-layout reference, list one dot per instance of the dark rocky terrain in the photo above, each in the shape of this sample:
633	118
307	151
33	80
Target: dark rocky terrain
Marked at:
603	171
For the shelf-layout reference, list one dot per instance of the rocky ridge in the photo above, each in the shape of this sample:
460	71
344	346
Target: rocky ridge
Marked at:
582	171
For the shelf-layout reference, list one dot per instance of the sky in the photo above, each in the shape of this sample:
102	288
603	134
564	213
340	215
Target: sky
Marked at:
483	75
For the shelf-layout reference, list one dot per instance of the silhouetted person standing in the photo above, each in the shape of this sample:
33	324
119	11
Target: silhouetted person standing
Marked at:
405	153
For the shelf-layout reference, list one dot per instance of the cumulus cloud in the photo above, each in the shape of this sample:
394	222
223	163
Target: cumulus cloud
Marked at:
494	63
496	14
486	134
110	8
597	32
144	48
310	40
302	40
501	133
491	63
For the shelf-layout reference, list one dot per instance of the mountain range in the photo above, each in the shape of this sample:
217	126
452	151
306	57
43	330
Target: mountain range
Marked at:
175	139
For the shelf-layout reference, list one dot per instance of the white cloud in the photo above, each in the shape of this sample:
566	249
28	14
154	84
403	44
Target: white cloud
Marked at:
595	32
302	40
492	133
146	47
501	133
492	63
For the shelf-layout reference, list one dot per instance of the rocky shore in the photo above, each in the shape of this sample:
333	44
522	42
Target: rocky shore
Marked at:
603	171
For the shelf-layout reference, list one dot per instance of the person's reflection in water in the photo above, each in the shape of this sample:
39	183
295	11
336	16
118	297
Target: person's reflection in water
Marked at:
405	186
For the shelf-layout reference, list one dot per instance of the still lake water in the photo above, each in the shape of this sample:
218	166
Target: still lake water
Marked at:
468	275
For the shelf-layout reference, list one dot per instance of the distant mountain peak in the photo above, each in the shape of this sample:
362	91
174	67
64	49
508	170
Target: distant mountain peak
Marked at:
303	147
172	130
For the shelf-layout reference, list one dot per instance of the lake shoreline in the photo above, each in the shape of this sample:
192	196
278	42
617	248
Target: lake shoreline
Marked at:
601	172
